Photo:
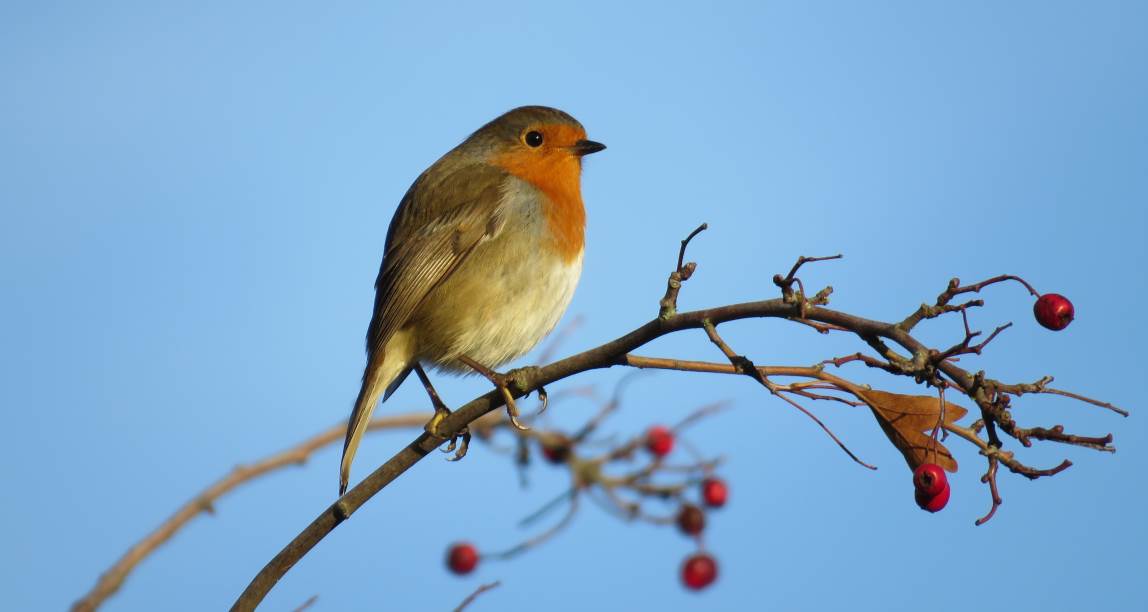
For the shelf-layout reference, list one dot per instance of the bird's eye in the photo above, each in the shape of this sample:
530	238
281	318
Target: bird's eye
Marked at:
533	138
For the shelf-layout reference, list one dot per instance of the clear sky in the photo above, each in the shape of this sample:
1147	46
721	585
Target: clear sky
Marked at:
194	198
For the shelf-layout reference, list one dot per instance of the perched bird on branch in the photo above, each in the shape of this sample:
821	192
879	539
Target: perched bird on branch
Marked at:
481	260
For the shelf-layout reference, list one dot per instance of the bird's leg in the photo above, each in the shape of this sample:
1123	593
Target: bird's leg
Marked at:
441	412
500	382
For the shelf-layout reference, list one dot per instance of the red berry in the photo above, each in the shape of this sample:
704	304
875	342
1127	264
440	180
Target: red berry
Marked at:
714	492
659	440
556	449
699	571
1053	311
929	479
461	558
691	519
934	503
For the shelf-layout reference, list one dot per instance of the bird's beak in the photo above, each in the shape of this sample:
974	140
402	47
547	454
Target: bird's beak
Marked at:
586	147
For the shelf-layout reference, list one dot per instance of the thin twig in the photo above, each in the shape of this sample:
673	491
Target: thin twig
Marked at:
801	261
745	366
668	305
954	289
204	501
307	604
571	510
608	408
990	478
967	433
548	506
479	591
686	242
705	411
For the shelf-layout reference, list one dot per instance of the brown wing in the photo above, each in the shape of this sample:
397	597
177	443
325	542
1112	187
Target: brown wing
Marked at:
425	244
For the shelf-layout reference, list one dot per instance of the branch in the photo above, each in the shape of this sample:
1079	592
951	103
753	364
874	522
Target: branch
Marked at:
479	591
528	380
953	290
888	339
745	366
668	306
522	547
990	478
307	604
113	578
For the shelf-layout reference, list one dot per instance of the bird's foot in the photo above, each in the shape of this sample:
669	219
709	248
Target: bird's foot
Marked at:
434	425
434	428
463	435
503	383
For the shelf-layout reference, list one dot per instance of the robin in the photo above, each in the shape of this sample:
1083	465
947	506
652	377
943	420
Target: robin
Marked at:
481	260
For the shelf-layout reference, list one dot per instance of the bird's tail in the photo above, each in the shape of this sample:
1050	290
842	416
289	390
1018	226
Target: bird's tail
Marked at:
379	380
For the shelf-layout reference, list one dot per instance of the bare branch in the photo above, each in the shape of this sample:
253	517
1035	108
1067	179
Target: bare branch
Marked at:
686	242
518	549
801	261
952	290
991	396
745	366
307	604
473	596
990	478
204	501
668	305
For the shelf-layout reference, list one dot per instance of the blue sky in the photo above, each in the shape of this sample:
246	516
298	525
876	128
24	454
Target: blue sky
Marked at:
194	200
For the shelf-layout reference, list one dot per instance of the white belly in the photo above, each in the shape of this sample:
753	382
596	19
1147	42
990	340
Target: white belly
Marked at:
519	325
504	314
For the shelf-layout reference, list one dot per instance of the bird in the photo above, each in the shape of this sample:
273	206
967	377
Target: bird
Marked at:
481	260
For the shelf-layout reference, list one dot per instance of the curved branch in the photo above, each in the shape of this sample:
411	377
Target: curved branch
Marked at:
919	364
479	591
113	578
527	380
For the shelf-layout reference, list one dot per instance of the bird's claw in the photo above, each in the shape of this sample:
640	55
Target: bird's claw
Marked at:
461	452
501	382
433	428
544	398
511	407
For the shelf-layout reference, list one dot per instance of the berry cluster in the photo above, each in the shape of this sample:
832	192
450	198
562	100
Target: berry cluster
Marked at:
930	485
698	570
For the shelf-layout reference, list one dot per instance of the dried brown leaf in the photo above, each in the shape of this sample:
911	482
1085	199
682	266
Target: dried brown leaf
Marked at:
906	418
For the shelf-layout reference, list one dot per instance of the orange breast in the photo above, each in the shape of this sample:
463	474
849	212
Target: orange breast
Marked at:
557	174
